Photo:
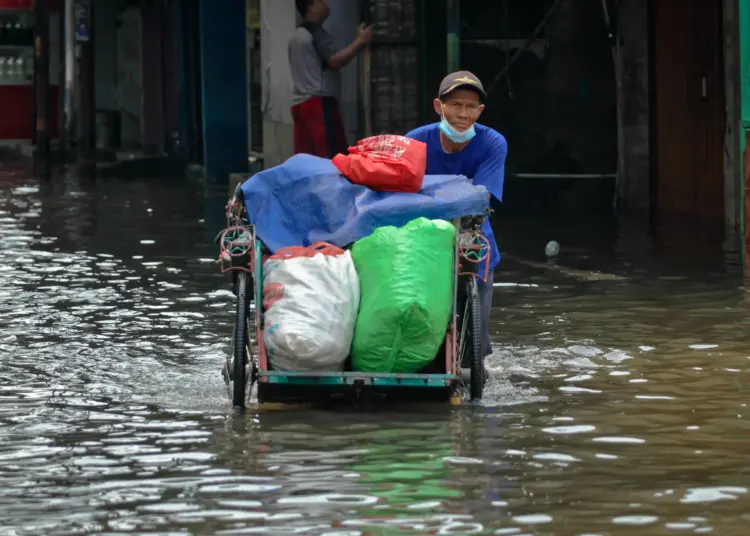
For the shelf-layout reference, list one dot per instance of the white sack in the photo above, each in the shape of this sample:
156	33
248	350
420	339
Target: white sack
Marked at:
311	308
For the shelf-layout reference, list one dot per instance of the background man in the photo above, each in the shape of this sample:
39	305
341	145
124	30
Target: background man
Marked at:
458	145
315	60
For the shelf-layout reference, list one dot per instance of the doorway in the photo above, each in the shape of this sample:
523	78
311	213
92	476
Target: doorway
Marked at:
687	109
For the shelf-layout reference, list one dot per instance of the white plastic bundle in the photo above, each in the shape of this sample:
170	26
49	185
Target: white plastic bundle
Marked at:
311	299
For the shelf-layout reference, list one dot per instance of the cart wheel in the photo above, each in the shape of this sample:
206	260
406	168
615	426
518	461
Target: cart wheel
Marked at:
474	335
241	336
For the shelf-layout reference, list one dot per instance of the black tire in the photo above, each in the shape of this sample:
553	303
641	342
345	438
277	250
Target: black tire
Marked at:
241	358
476	363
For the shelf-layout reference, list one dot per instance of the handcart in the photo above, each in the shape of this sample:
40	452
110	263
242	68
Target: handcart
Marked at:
457	370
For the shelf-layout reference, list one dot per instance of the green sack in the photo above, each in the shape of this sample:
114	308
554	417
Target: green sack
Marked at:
406	295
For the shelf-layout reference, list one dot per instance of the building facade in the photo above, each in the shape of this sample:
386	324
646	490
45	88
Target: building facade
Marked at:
638	105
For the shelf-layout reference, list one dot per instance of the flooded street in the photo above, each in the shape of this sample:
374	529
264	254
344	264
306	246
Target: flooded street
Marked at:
618	403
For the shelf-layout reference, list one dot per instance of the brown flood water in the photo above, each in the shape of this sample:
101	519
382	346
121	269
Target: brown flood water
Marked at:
618	403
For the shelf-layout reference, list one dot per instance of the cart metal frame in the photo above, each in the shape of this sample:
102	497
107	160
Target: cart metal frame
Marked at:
242	255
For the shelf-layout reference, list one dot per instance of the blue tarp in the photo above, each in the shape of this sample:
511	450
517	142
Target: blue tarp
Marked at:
306	200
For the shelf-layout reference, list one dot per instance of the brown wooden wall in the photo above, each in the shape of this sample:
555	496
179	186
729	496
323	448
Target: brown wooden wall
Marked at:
687	107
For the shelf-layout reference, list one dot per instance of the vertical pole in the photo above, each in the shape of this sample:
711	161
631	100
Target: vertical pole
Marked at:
744	28
745	137
250	7
732	135
193	71
68	16
367	89
454	36
34	77
60	76
178	14
366	75
165	131
85	88
621	178
41	89
254	47
744	129
223	79
422	55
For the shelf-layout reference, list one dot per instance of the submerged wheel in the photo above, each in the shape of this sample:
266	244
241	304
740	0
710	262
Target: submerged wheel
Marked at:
241	359
471	340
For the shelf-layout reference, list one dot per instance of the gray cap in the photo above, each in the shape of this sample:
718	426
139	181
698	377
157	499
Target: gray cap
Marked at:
461	80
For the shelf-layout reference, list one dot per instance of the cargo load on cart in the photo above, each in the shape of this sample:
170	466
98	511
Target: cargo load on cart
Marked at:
352	283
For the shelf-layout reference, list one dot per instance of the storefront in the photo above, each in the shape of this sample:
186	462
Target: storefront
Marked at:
17	70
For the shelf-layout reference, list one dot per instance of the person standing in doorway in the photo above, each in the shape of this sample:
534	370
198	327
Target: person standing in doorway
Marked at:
459	145
315	60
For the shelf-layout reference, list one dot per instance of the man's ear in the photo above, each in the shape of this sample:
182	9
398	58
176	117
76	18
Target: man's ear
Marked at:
481	109
438	106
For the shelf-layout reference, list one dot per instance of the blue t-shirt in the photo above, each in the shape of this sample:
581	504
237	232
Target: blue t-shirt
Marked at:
482	161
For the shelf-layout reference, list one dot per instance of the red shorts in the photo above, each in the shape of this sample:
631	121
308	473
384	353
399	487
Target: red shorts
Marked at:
318	129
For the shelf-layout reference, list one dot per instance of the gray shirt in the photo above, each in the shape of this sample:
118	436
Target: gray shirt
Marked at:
310	50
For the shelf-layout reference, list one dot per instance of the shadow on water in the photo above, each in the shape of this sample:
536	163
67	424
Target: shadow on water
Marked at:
618	403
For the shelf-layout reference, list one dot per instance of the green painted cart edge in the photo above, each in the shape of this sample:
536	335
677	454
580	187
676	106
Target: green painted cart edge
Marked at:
358	378
343	379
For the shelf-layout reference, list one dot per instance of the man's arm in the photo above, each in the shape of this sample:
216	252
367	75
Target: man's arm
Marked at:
334	59
491	172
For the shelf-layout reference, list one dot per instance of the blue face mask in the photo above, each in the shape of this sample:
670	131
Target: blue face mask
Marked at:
454	135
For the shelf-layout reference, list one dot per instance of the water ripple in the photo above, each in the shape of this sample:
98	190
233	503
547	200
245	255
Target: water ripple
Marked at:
615	405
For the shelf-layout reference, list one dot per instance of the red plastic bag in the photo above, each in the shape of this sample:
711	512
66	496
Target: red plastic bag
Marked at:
386	163
300	251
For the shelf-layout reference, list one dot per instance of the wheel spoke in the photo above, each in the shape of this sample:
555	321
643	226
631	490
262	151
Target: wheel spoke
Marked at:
463	335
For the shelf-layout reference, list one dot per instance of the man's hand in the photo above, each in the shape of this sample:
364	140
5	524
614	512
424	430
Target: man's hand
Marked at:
365	34
345	55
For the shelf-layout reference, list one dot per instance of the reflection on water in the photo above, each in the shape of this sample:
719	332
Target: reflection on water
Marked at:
618	405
